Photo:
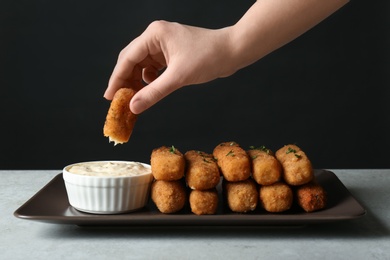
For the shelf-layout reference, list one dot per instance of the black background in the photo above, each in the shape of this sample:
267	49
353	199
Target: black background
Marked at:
326	91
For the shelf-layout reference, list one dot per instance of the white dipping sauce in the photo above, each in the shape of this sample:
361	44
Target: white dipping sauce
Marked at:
109	169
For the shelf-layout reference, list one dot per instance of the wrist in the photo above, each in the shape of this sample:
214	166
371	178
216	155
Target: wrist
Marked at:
230	48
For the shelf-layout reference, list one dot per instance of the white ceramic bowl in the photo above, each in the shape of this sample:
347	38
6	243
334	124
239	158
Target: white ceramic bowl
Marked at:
107	194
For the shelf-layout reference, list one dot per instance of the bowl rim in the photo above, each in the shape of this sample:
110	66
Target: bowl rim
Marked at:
66	172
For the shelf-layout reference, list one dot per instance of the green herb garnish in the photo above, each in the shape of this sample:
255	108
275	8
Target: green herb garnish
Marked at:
260	148
290	150
205	156
172	149
230	153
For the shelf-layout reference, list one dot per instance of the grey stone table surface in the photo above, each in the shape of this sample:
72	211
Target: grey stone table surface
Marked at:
367	237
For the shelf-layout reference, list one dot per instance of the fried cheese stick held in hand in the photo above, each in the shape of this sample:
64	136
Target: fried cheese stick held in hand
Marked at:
120	120
192	55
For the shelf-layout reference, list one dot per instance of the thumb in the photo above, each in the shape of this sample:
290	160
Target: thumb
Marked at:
149	95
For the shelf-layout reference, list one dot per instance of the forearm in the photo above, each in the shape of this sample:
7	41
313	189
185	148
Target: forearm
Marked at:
269	24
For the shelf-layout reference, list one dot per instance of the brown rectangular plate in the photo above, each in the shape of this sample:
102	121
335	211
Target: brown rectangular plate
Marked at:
51	205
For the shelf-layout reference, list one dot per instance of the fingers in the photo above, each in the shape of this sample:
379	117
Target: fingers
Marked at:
141	62
161	87
149	74
126	72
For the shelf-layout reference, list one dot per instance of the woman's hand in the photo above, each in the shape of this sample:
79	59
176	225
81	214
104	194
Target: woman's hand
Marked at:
192	55
189	55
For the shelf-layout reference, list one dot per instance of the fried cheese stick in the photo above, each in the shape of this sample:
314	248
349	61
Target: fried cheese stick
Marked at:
266	169
168	196
204	202
120	120
202	172
311	197
241	196
277	197
297	168
233	161
167	163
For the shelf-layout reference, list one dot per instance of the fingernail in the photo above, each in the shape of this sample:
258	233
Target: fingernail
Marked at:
105	95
